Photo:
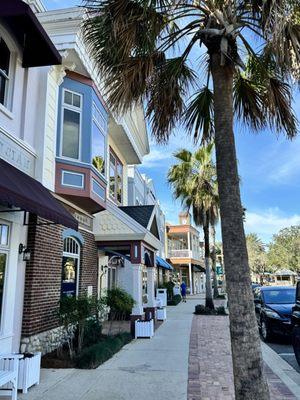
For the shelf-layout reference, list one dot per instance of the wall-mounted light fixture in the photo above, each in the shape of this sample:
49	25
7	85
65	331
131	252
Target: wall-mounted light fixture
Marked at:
25	251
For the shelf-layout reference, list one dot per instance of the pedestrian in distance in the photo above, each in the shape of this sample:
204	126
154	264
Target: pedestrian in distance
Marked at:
183	291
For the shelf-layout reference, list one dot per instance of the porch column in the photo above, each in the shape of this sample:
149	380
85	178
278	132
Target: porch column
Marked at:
191	278
151	286
137	289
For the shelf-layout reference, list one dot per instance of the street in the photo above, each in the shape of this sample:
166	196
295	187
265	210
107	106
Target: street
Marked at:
284	348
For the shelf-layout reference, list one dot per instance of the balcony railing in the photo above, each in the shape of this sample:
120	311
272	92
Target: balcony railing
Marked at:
180	253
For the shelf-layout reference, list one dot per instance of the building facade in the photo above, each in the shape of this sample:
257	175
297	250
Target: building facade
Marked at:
185	253
28	63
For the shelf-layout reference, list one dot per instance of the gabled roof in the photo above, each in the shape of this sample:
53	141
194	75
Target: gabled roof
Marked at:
141	214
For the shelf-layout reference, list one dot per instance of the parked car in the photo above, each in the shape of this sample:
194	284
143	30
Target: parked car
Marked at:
296	324
254	286
273	308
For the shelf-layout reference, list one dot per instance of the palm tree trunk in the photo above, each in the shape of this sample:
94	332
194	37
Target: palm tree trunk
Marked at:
208	293
213	261
249	379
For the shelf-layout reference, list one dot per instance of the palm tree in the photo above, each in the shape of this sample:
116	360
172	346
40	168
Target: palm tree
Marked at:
193	179
150	50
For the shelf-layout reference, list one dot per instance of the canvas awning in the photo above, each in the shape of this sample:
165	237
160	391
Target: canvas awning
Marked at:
160	262
20	190
38	49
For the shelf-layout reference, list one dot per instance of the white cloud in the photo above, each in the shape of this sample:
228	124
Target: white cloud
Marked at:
156	157
268	222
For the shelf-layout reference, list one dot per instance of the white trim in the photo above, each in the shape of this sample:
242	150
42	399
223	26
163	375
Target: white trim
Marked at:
5	249
19	142
72	173
74	109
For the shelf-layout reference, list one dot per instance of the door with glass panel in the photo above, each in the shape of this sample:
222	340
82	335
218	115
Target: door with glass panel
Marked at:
4	247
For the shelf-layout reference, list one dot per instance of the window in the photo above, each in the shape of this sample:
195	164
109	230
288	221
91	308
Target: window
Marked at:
115	178
145	284
71	124
5	58
70	268
111	277
4	242
98	140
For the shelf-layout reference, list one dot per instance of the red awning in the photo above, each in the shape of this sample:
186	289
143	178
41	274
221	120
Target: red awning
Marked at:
38	49
20	190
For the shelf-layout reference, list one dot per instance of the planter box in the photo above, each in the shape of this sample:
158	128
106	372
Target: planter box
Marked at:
29	372
144	329
161	314
161	296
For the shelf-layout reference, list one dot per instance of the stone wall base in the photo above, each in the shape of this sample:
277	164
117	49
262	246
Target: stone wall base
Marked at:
44	342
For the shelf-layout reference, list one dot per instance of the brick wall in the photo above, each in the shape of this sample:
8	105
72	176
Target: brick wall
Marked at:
88	264
43	276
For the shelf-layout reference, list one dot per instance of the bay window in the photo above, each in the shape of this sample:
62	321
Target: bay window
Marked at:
115	178
5	57
98	140
71	124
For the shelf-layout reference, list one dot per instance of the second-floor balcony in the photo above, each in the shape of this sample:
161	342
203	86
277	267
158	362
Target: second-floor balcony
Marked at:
180	254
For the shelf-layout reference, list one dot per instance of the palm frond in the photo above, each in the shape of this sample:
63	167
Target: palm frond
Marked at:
199	115
166	95
248	101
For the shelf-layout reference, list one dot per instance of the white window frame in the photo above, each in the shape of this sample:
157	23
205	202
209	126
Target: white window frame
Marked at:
75	109
7	107
75	256
72	173
5	249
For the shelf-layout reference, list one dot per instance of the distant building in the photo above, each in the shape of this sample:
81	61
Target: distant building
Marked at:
185	252
141	192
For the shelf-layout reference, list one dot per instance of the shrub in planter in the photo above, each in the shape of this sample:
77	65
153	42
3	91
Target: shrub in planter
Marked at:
221	297
169	286
74	313
200	309
119	302
175	300
93	356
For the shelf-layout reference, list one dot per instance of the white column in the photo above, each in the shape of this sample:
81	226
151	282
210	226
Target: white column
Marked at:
190	277
137	289
150	287
189	241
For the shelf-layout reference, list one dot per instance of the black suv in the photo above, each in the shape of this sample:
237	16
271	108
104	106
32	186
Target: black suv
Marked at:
296	324
273	308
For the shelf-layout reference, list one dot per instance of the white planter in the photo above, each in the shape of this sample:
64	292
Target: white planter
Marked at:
161	314
161	295
29	372
144	329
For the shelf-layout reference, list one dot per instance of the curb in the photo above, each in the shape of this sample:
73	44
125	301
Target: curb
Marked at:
282	369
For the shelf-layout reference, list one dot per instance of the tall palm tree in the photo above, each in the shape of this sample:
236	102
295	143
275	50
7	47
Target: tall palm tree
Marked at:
194	181
150	50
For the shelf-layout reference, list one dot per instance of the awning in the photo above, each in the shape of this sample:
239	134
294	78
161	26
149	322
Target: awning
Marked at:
111	252
198	268
38	49
160	262
20	190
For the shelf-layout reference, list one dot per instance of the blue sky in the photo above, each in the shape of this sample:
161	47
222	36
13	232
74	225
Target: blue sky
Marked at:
269	167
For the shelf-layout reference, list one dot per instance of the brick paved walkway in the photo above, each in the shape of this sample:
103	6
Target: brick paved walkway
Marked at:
210	364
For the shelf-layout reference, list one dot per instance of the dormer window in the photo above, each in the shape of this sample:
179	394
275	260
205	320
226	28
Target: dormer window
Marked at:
5	57
71	125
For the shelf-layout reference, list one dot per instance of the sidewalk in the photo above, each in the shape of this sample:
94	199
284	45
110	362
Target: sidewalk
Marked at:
188	358
144	369
210	363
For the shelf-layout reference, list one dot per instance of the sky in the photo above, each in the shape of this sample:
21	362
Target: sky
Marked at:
269	168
